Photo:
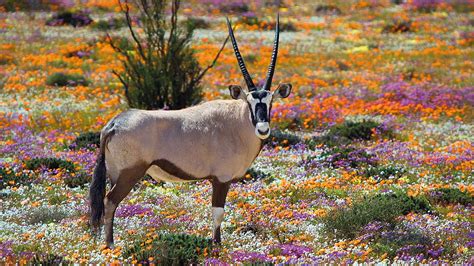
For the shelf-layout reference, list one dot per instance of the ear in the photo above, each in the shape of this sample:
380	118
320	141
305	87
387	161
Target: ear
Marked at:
282	91
236	92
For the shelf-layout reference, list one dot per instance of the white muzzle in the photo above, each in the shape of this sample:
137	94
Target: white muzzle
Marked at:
262	130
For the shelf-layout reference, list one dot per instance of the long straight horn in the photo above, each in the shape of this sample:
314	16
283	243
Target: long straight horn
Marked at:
240	60
271	68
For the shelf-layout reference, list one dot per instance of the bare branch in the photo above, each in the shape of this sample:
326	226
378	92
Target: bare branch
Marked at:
174	20
201	75
126	11
125	85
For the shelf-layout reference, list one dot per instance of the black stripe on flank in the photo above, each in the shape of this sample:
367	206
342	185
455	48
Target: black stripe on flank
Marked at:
174	170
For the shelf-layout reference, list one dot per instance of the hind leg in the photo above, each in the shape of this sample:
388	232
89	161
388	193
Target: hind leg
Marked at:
125	182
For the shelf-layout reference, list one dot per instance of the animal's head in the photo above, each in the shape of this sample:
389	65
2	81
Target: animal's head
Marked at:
259	99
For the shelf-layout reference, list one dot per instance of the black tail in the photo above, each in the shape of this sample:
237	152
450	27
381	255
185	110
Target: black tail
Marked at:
97	188
97	193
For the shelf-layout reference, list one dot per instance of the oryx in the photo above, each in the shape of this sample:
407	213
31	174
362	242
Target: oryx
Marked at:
216	140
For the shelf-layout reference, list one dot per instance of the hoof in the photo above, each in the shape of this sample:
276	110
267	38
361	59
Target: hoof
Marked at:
110	245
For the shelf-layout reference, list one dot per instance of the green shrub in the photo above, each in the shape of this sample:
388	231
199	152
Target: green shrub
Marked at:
78	180
49	163
89	140
123	44
345	157
348	132
253	174
75	19
451	196
62	79
198	23
162	71
353	130
282	139
111	24
347	222
46	215
8	177
170	249
402	242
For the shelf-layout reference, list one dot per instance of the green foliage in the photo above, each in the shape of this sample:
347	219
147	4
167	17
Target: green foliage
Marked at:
353	130
451	196
395	243
347	222
347	157
254	174
348	132
78	180
282	139
46	215
170	249
111	24
75	19
161	71
59	63
49	259
62	79
123	44
8	177
198	23
49	163
89	140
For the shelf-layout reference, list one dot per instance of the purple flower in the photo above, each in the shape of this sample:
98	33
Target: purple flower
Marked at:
291	250
248	257
133	210
6	249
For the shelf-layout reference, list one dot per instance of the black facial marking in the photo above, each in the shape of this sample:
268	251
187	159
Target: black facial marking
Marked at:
254	122
261	112
259	94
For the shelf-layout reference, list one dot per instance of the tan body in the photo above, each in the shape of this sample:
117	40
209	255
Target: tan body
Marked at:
214	139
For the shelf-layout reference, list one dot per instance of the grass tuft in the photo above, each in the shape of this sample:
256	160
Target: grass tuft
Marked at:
88	140
169	249
49	163
385	208
61	79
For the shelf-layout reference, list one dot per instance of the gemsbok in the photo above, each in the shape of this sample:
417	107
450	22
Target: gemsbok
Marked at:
217	140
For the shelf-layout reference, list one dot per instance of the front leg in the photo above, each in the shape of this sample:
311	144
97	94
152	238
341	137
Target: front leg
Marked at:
219	194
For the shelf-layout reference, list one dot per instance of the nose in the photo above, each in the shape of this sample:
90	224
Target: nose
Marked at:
262	130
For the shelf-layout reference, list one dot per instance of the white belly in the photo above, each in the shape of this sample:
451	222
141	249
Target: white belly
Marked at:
159	175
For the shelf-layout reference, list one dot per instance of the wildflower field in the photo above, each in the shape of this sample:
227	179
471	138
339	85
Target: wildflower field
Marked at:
370	160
